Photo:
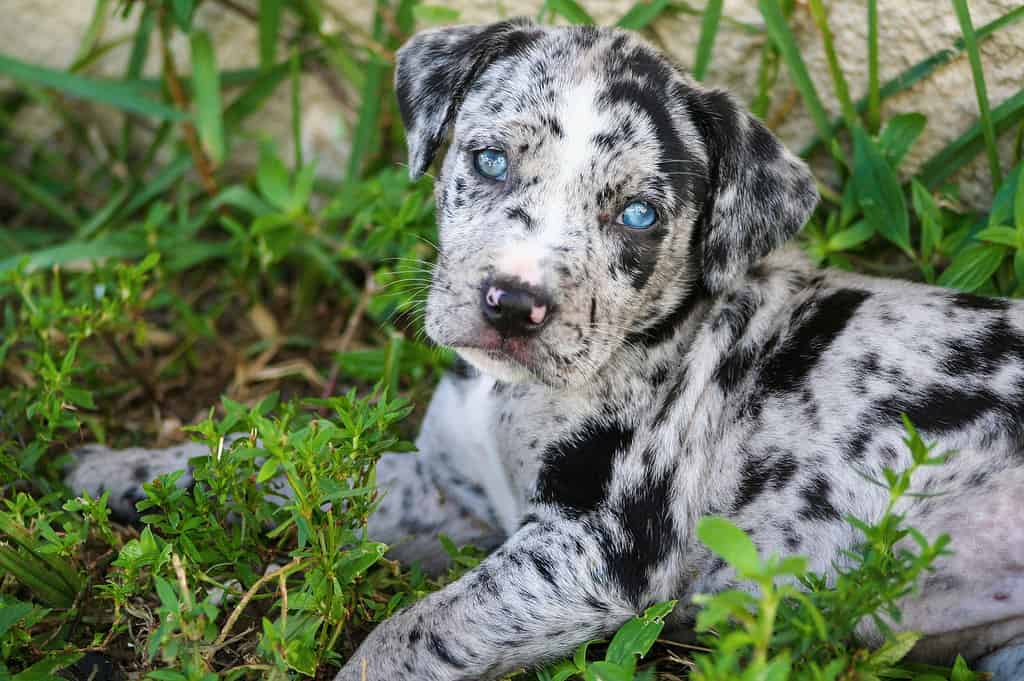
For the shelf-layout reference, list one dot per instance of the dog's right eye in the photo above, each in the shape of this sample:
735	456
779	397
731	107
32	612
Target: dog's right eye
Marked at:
491	163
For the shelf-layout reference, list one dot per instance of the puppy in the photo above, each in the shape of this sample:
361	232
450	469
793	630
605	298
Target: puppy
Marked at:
642	348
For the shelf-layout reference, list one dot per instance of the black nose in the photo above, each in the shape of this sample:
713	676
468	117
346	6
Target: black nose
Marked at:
513	309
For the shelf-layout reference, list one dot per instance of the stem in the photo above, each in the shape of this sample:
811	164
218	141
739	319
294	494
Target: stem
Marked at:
248	596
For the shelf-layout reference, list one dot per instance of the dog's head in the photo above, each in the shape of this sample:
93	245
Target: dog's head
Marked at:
590	190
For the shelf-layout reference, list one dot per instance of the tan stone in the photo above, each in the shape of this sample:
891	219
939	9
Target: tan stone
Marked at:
49	32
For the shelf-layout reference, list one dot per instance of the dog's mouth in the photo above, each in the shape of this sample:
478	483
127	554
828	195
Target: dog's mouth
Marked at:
506	358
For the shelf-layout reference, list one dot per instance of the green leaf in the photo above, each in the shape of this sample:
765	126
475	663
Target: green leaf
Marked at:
206	86
708	30
641	14
879	192
731	543
960	671
571	10
972	267
778	669
121	94
851	237
1007	236
608	671
899	136
358	560
634	639
895	648
1018	201
43	670
165	591
272	178
928	214
268	470
12	613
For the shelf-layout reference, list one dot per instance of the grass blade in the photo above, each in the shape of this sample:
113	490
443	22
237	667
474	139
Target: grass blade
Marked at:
963	15
367	135
874	114
252	97
296	102
778	31
270	27
92	34
39	194
118	245
708	30
921	70
835	69
133	70
641	14
122	95
572	11
206	84
965	148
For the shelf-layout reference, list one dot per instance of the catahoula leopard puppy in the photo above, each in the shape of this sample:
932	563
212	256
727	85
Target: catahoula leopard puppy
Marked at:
645	352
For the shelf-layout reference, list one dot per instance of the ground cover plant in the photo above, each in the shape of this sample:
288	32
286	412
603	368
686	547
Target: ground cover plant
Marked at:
155	287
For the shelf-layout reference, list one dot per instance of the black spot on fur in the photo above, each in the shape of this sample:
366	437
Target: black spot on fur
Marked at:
438	647
790	536
973	302
576	470
554	126
761	471
985	352
543	565
520	215
141	474
645	516
816	496
817	324
463	369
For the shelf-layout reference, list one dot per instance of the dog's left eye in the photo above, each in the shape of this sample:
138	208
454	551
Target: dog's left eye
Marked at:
638	215
491	163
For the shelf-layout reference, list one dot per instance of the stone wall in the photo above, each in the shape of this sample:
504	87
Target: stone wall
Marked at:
49	31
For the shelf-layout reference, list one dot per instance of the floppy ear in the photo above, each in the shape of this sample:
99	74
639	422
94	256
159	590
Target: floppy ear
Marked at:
434	69
759	193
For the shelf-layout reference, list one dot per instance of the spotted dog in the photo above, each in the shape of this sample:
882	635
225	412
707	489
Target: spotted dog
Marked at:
642	348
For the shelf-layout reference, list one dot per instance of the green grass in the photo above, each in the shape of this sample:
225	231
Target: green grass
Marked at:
153	287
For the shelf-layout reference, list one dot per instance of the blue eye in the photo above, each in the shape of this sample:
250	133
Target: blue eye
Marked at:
638	215
491	163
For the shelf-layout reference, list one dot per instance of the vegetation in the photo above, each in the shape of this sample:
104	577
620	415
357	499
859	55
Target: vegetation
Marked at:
149	272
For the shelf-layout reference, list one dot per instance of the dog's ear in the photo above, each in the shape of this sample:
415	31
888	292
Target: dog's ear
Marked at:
435	68
759	193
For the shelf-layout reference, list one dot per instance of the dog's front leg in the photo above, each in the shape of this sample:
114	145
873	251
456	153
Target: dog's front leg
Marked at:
545	591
